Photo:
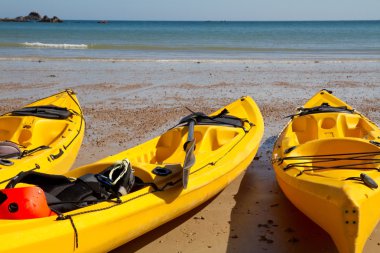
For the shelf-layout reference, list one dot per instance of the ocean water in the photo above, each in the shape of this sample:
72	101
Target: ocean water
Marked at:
130	40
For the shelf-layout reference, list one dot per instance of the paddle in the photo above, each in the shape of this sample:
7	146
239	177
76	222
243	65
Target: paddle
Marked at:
189	147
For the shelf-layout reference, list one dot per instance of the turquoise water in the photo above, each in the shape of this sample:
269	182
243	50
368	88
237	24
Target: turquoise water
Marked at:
190	40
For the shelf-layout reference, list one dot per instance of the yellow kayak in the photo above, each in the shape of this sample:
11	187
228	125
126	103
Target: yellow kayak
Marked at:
163	178
44	136
327	162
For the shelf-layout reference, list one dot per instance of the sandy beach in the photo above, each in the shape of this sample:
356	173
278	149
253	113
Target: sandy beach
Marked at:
129	102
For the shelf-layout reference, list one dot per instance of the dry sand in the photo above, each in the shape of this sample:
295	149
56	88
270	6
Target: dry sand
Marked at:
126	103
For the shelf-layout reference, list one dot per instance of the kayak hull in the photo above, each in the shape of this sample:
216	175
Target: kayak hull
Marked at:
319	171
222	154
59	140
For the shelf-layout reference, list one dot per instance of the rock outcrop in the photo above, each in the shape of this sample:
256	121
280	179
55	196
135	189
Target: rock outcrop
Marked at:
54	19
33	17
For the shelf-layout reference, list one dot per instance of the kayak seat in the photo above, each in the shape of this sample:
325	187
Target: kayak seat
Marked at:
355	126
36	130
9	127
329	125
305	128
41	132
208	138
169	148
166	146
45	132
214	137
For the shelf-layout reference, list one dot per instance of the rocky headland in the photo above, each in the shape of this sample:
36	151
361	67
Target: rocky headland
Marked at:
33	17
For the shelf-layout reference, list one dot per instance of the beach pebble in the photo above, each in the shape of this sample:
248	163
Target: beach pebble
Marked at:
293	240
289	230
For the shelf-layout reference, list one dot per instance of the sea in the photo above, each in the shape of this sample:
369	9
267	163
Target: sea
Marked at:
165	40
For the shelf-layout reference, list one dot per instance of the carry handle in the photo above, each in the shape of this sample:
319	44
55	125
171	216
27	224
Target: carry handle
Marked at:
54	157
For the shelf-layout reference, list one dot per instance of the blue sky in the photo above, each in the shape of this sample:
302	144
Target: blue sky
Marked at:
197	9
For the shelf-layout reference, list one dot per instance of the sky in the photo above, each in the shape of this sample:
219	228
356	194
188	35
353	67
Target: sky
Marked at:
202	10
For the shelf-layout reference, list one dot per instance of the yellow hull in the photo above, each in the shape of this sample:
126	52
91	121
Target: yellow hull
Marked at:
63	138
318	159
222	154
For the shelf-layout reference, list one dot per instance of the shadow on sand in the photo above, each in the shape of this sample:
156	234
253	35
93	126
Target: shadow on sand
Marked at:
263	220
153	235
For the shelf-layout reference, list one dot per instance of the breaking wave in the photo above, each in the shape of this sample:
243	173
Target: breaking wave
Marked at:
49	45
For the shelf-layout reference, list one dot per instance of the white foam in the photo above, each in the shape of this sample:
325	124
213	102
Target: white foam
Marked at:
192	60
48	45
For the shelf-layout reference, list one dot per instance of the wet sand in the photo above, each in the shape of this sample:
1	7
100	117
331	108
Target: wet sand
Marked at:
126	103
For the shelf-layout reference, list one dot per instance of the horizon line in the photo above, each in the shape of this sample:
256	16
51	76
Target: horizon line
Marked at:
173	20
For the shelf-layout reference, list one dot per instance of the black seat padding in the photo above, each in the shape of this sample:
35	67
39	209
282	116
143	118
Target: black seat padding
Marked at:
45	111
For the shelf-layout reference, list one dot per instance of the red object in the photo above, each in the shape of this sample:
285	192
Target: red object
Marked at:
24	203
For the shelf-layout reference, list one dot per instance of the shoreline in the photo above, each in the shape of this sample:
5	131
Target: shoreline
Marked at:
314	59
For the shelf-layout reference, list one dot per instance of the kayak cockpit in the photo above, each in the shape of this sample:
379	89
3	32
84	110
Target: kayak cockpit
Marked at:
169	148
31	132
329	125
